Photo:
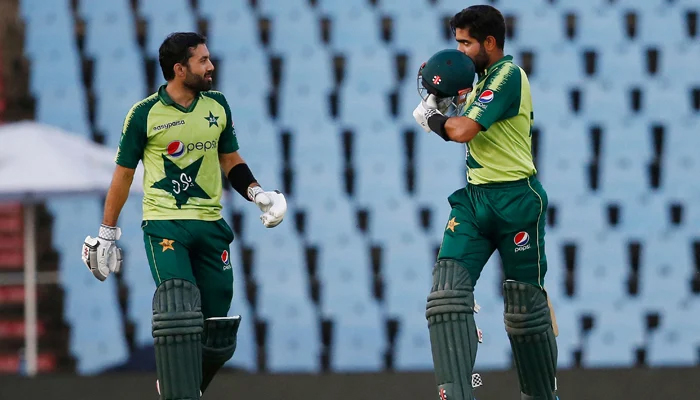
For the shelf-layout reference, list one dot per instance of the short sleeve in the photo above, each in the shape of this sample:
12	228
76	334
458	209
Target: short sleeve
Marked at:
134	136
228	143
499	99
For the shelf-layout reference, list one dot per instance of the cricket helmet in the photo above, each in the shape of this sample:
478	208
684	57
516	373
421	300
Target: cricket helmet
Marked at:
447	74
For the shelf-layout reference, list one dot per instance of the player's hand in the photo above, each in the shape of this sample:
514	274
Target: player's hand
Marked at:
272	204
426	109
101	254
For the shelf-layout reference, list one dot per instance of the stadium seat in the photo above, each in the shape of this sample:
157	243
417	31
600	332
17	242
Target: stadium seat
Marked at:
667	267
614	339
293	338
293	29
358	339
345	37
494	353
406	269
413	351
676	343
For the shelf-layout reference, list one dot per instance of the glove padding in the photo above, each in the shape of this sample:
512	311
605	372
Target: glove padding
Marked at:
272	204
426	109
101	254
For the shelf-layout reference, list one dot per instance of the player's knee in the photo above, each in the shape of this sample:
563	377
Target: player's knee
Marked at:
177	308
526	309
452	290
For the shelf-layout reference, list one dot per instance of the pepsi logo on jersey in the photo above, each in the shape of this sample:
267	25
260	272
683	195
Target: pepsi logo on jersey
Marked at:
522	241
177	148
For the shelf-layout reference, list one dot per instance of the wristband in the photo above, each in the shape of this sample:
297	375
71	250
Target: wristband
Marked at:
241	178
436	122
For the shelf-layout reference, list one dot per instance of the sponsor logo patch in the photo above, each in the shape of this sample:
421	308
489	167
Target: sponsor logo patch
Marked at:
486	96
225	260
176	149
522	241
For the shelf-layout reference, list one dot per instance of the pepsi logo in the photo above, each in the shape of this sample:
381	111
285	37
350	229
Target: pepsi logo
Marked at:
224	257
486	96
521	239
176	148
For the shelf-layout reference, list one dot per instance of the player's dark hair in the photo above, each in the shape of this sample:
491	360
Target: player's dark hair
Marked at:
482	21
177	49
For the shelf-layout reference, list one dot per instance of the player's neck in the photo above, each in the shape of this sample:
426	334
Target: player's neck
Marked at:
180	94
494	58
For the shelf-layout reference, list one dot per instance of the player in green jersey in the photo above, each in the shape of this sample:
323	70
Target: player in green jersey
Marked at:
502	208
184	136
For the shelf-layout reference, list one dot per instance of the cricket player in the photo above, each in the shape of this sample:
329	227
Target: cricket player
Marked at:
502	208
184	136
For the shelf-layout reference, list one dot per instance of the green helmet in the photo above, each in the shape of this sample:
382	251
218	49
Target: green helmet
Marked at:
447	74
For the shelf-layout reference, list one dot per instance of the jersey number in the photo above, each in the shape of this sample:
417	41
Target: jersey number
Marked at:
183	184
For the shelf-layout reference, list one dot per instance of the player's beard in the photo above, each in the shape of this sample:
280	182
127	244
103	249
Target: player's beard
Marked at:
481	60
197	83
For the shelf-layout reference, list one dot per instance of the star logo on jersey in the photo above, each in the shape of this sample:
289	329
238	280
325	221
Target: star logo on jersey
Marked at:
167	244
212	120
452	224
181	182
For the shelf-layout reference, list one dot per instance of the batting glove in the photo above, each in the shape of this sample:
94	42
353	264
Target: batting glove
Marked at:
101	254
272	204
426	109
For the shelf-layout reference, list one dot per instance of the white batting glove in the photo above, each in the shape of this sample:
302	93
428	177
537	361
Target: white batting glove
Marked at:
426	109
272	204
101	254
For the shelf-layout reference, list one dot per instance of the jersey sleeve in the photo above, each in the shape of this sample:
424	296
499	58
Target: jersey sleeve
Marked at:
499	99
134	137
228	143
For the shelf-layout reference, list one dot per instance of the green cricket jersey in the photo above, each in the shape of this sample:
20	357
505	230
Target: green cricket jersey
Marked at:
180	152
501	103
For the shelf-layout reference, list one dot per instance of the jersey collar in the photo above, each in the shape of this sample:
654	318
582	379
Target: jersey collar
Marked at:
165	98
495	65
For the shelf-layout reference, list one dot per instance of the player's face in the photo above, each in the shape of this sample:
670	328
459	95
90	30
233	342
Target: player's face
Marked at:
471	47
198	74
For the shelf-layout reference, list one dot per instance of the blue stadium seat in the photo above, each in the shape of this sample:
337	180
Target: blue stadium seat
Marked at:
345	37
676	64
96	10
578	219
246	354
681	162
212	8
345	272
415	25
562	66
310	177
413	350
317	137
392	220
494	352
307	69
298	99
277	8
44	76
438	158
602	28
624	169
601	271
294	341
372	68
358	339
614	339
151	8
279	264
64	108
332	217
380	167
668	102
644	218
109	33
598	100
400	10
667	267
294	29
488	287
569	324
406	268
50	29
113	105
161	24
334	8
647	18
676	342
364	108
233	23
621	67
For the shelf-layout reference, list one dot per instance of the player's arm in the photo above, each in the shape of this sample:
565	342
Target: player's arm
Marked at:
117	194
272	204
101	254
459	129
